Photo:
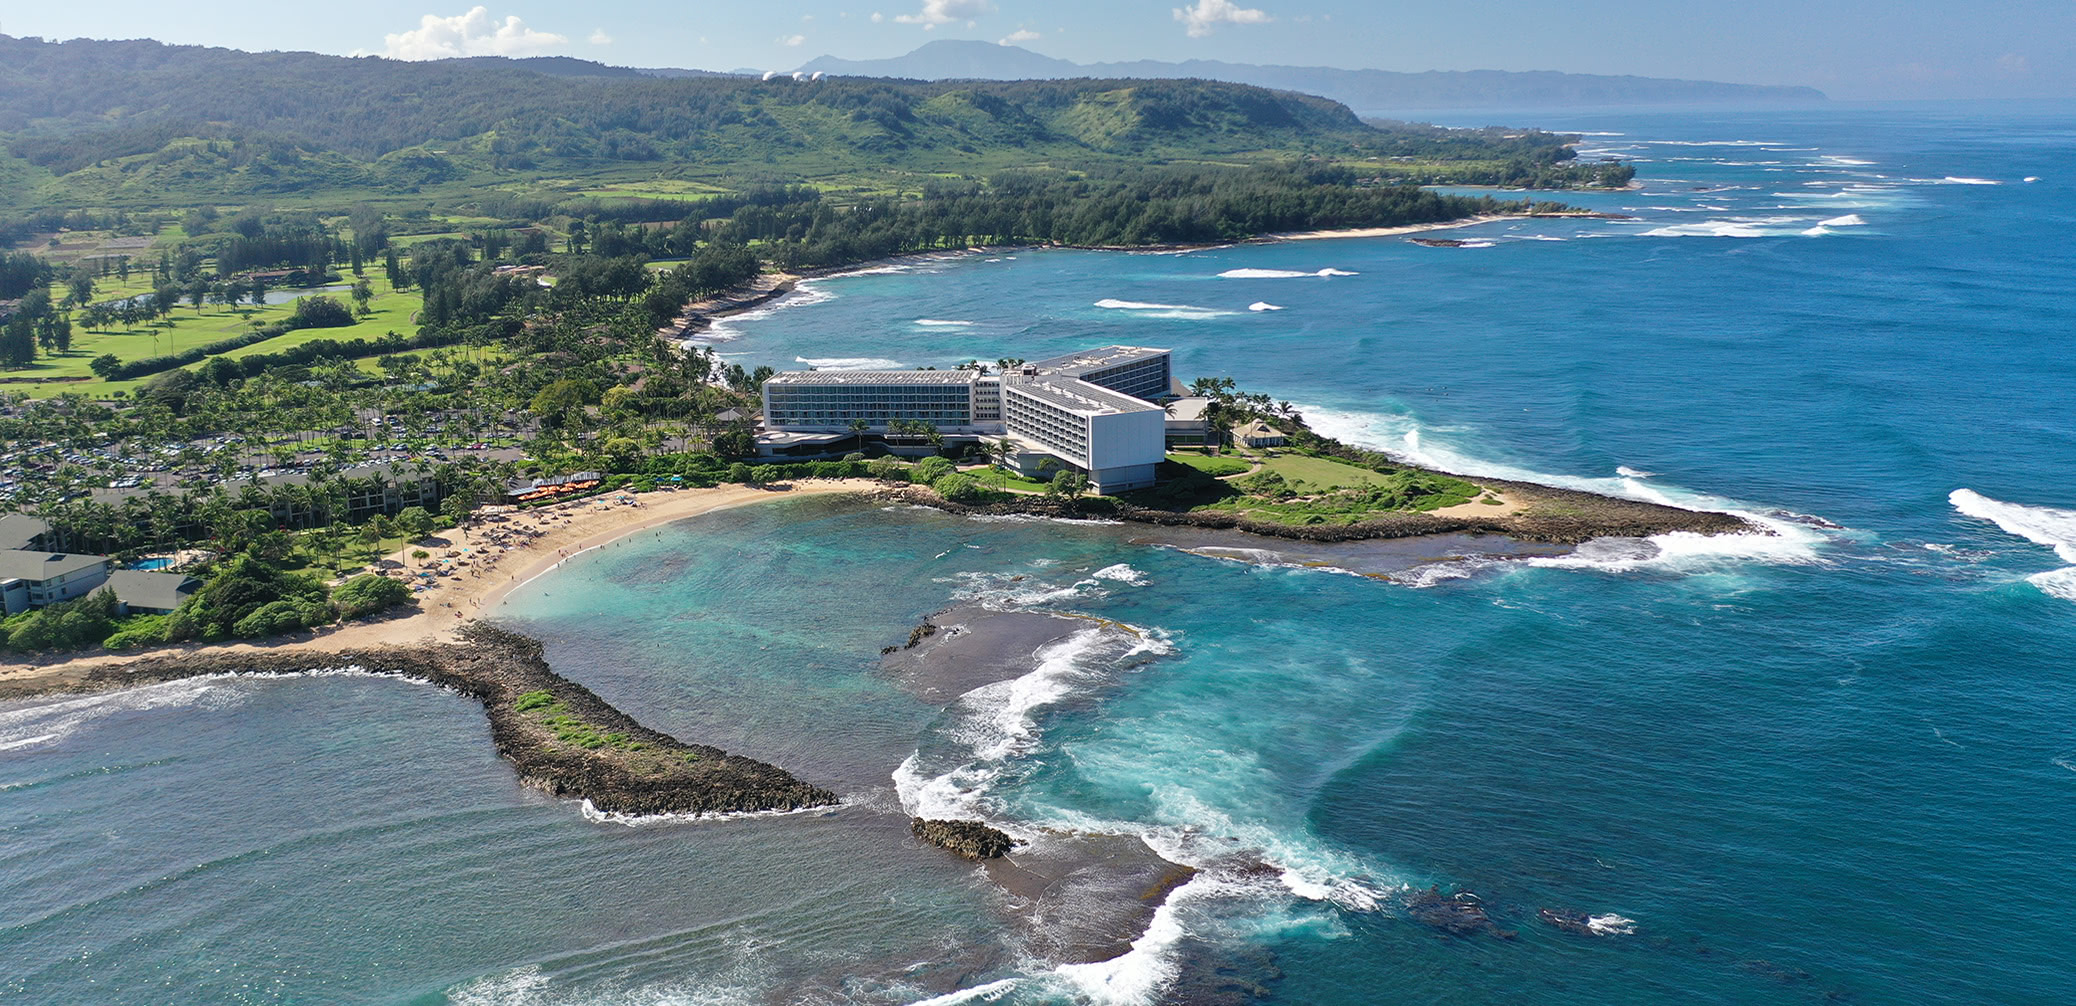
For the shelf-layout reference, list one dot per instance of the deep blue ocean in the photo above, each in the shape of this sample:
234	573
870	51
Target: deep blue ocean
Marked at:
1833	764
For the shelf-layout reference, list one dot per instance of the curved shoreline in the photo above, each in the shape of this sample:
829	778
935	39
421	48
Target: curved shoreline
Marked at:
569	530
559	736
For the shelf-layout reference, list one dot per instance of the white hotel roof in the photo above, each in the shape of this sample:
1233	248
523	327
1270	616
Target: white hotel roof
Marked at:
1081	396
1086	361
874	377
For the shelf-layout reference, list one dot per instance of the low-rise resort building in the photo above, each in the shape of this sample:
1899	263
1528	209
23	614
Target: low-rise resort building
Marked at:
1100	412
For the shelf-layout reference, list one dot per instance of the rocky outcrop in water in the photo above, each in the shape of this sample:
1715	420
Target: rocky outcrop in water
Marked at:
1457	914
560	736
970	839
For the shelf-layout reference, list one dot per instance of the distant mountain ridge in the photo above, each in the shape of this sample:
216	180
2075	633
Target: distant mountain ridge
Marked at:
1368	92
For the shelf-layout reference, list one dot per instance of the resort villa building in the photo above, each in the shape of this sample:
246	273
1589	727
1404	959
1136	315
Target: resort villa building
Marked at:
34	578
1097	412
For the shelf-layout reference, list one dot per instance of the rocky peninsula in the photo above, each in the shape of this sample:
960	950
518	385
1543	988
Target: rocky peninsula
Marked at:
1542	514
560	736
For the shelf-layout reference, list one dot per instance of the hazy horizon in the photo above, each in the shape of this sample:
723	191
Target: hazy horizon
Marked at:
2004	49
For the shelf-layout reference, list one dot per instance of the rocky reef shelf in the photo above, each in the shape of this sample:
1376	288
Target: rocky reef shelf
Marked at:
560	736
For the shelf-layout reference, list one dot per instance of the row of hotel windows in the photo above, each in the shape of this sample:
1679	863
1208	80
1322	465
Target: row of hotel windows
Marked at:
874	417
1052	427
1147	379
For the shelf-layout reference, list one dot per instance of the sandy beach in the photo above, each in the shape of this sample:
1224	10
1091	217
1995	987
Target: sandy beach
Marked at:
1386	232
482	573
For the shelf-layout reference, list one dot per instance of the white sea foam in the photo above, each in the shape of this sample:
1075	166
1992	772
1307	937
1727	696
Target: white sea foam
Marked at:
747	981
849	363
990	992
893	269
941	323
48	722
807	294
1847	162
1712	143
2055	528
594	815
1121	573
1787	542
2040	525
1282	274
1848	220
1140	974
1262	305
1956	180
1178	312
2056	583
1432	574
997	721
2032	178
1631	473
1732	227
1476	244
1610	925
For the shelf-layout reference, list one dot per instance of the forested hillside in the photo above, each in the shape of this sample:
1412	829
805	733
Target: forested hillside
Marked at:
143	125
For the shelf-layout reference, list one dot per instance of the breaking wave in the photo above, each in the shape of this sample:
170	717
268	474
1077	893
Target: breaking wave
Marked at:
941	323
49	722
1785	541
807	294
1282	274
849	363
2040	525
1180	312
1733	227
1262	305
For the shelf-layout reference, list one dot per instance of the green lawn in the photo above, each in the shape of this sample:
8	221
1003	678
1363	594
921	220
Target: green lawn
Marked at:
1215	467
393	312
1320	474
998	478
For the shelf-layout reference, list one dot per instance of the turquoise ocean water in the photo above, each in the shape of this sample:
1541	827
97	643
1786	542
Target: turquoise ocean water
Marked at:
1834	763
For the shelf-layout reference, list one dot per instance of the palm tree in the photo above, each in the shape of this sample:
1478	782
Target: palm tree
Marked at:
858	428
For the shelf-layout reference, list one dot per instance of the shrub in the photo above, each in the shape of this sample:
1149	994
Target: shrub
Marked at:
66	625
143	630
739	472
765	475
276	617
929	470
238	591
887	470
367	594
537	699
959	488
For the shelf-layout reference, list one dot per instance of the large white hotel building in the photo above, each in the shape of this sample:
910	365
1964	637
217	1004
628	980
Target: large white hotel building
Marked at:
1095	412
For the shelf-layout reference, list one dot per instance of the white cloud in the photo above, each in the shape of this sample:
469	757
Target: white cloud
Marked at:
599	37
1021	35
936	12
1208	14
877	17
2012	64
470	34
792	40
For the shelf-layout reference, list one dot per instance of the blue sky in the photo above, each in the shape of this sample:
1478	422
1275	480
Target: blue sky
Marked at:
1861	49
